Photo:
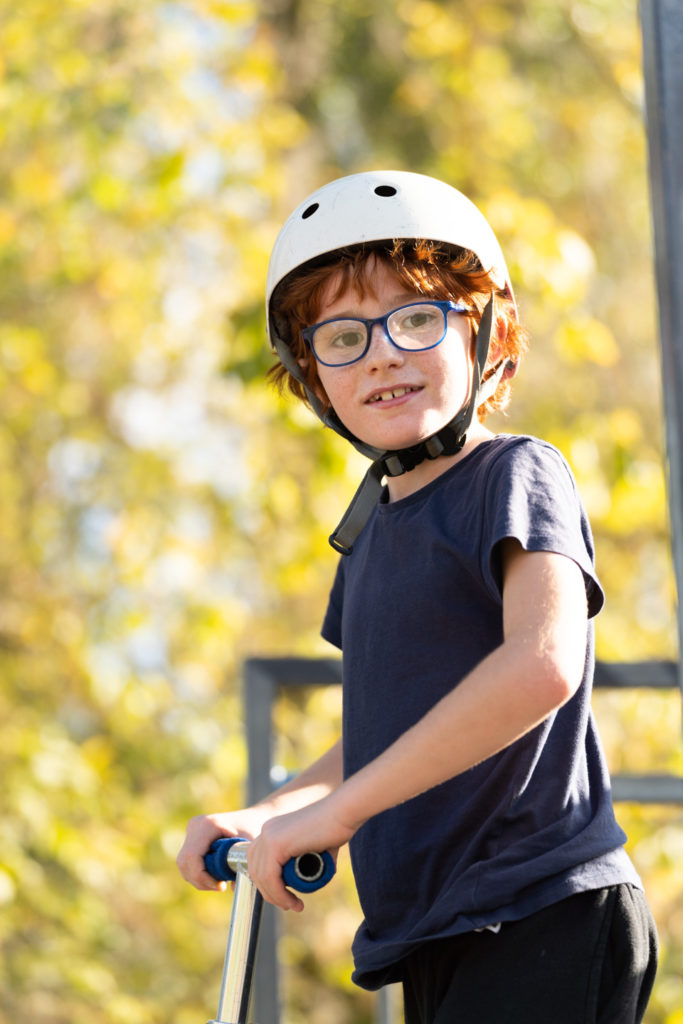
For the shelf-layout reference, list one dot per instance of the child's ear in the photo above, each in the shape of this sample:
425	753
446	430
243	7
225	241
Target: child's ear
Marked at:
496	348
498	336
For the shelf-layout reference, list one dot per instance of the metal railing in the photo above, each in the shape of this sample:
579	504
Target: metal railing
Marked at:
266	679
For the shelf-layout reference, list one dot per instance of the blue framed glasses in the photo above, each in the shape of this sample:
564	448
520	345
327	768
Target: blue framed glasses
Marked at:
414	327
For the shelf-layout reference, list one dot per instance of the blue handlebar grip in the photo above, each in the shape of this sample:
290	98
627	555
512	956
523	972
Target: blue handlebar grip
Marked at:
306	873
216	860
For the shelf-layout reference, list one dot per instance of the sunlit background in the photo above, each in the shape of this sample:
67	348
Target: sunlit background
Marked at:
164	515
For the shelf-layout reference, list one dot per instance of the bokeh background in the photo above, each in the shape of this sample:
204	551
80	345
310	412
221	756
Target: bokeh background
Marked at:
163	514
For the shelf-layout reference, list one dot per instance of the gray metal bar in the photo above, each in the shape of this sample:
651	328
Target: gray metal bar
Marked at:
284	672
264	676
662	28
387	1008
260	684
651	675
647	789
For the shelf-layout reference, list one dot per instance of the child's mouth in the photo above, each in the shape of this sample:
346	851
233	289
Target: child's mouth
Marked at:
389	394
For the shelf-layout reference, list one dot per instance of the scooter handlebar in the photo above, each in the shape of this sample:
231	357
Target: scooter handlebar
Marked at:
305	873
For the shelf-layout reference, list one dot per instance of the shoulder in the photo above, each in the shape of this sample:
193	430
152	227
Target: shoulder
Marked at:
519	449
525	471
526	463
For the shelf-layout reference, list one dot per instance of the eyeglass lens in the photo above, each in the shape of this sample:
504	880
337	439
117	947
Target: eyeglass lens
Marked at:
417	326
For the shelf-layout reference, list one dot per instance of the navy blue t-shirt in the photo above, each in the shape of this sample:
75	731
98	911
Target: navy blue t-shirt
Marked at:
414	608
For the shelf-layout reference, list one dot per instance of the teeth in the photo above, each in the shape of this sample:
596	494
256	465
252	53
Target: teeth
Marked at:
386	396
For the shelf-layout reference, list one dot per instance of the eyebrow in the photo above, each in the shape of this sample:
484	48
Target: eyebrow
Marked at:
394	303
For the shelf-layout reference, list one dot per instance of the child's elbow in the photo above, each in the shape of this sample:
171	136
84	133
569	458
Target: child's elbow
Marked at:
558	678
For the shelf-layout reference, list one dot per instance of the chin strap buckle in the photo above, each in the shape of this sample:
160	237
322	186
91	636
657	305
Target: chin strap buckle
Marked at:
434	447
393	465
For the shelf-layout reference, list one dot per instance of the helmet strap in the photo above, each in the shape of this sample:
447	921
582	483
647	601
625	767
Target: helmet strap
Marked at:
447	441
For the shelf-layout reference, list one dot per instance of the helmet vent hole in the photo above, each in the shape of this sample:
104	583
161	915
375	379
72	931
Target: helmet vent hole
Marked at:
309	211
385	190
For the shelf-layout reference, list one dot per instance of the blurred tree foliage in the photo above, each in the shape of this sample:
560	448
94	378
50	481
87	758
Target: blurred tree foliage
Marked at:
162	514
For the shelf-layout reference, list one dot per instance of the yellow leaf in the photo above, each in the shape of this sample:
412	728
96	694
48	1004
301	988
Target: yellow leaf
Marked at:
36	182
588	341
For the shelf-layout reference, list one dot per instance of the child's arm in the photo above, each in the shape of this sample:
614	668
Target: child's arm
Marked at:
311	785
537	668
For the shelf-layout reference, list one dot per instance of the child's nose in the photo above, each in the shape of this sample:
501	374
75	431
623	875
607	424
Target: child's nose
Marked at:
382	350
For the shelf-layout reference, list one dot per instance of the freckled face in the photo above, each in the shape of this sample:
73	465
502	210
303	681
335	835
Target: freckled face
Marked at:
392	398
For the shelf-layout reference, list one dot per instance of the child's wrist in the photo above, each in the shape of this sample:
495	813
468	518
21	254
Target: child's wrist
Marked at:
347	807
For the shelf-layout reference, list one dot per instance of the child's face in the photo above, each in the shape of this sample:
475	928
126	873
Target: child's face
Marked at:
391	398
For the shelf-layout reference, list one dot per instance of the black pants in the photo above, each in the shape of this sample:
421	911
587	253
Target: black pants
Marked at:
590	959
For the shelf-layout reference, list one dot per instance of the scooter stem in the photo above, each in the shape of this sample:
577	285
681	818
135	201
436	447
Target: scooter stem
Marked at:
227	861
240	953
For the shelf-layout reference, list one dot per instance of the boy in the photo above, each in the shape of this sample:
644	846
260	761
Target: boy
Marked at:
469	781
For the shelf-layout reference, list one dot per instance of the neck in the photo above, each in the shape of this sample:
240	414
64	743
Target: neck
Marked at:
406	484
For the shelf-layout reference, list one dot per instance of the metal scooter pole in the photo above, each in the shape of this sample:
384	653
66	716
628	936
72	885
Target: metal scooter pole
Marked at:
240	952
227	861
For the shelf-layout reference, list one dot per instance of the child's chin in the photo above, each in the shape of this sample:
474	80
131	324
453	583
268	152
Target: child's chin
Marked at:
398	443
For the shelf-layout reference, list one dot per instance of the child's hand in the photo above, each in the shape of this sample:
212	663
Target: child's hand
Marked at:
312	829
203	830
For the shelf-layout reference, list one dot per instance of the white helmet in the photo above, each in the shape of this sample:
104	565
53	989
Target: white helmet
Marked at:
370	207
377	205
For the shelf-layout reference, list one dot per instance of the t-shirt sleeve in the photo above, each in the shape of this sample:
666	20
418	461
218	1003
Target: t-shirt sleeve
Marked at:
531	495
332	623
